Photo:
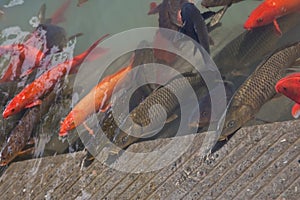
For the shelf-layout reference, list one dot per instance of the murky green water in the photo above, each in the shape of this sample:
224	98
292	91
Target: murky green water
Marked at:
96	18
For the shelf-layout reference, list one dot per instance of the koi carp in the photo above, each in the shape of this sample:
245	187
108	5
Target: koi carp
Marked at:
28	58
268	12
100	95
31	94
289	86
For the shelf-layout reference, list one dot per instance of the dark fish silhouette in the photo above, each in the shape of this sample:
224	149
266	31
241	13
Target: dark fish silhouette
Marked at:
194	25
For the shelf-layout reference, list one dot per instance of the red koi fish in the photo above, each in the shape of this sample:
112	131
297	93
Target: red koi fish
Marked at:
268	11
31	94
101	95
290	87
58	16
25	58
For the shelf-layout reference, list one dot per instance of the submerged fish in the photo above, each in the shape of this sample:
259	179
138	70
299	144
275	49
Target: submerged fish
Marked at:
21	134
194	25
251	46
205	105
268	12
218	16
169	18
169	13
214	3
258	89
142	114
100	95
31	94
290	87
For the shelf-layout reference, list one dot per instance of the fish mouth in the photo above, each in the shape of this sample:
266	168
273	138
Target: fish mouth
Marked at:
5	114
247	27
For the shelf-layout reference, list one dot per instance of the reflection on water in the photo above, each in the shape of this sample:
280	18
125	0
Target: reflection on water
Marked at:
96	18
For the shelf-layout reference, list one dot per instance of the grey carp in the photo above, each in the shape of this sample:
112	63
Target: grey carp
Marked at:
164	96
258	89
251	46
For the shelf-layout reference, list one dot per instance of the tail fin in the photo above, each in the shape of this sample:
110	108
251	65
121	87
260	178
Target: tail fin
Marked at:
58	16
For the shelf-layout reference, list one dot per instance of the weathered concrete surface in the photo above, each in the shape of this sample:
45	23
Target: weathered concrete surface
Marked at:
258	162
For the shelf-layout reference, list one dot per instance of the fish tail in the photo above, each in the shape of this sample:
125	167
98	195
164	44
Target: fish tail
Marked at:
296	111
58	16
94	45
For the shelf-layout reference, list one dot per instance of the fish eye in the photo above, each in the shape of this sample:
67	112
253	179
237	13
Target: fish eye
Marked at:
12	110
284	88
204	114
231	124
259	20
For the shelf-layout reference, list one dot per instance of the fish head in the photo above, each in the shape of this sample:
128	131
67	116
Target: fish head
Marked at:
7	155
66	125
122	139
14	107
235	118
261	16
290	87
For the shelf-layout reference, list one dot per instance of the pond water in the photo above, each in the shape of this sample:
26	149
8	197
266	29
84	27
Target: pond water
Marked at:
96	18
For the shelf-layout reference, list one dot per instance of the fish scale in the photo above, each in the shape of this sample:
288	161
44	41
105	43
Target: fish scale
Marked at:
162	96
258	88
250	46
166	98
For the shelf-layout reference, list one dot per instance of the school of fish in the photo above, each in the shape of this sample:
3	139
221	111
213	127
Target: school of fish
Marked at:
254	67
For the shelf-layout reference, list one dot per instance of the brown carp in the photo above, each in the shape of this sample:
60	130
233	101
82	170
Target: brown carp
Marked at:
147	113
21	134
251	46
258	89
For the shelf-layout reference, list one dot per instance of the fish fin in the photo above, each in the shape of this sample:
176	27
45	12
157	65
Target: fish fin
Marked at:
261	120
208	14
96	53
75	36
172	118
296	111
277	28
91	132
35	103
216	18
81	2
105	108
41	14
26	73
154	8
58	16
26	152
211	41
297	63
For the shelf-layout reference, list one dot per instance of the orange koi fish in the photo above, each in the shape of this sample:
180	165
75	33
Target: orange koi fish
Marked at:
268	11
101	93
31	94
290	87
